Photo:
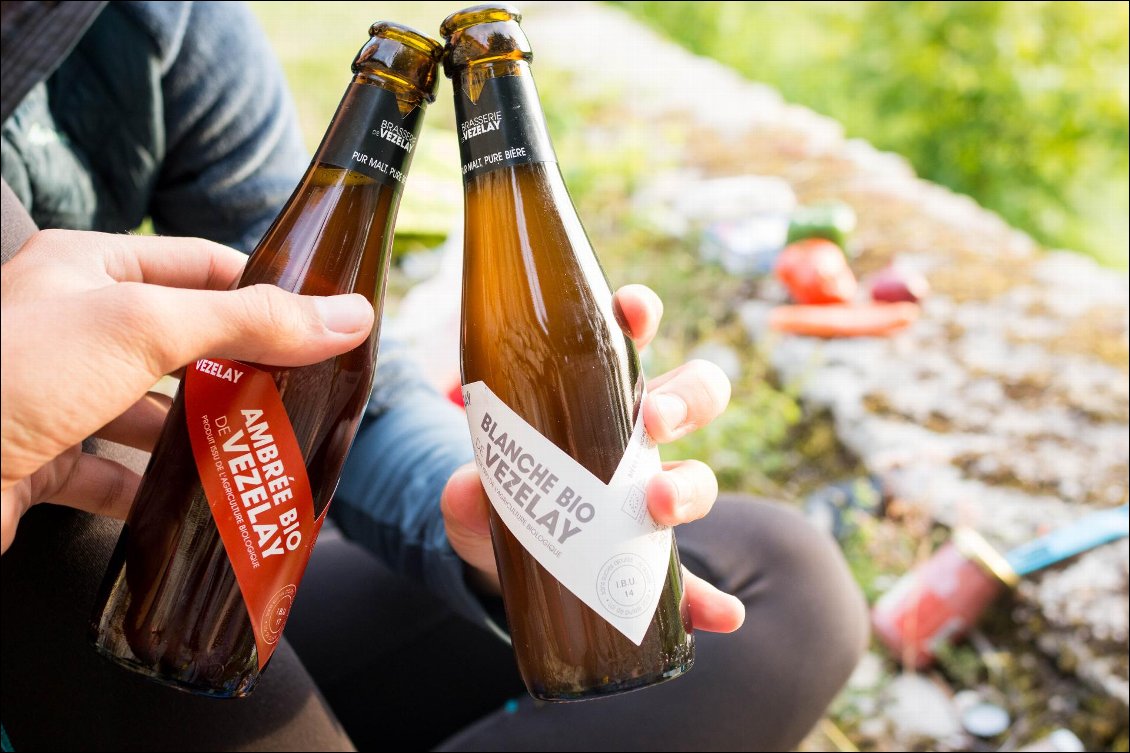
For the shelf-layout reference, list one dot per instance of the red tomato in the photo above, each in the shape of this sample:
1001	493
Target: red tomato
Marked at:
815	271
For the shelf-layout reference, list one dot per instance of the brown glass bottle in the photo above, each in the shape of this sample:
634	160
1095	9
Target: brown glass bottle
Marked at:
539	330
171	606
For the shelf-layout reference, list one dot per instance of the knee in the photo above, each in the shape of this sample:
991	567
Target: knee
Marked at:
808	569
787	572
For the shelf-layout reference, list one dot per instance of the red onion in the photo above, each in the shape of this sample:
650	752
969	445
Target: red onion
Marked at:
895	284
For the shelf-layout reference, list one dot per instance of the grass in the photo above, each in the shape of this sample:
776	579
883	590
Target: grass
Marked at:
1021	105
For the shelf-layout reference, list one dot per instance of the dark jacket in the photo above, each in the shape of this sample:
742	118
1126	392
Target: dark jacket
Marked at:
173	111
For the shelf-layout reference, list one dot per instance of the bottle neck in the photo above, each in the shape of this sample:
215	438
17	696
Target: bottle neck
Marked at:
374	131
335	233
500	123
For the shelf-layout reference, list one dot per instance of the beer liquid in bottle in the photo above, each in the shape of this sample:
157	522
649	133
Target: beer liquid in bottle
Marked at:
207	565
553	388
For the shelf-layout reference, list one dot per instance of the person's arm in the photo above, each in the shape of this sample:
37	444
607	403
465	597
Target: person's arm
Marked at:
410	443
233	151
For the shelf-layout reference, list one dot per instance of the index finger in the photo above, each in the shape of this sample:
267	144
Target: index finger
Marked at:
171	262
638	311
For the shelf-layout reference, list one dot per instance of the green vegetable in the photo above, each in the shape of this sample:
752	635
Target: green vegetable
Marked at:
832	220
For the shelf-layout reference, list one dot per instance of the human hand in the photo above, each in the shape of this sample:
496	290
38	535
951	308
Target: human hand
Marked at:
678	402
91	321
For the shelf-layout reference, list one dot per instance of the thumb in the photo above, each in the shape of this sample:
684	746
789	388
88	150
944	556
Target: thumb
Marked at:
260	323
466	516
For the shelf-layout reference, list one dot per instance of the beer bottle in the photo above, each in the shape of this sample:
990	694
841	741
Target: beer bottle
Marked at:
552	384
207	566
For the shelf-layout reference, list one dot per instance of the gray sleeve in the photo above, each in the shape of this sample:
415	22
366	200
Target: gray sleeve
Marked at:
233	152
17	224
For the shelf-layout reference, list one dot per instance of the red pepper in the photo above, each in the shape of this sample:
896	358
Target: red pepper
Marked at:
814	271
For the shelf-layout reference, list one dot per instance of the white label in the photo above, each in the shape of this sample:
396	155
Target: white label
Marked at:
598	539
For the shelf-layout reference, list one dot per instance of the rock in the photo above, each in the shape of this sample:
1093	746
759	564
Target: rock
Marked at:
722	356
918	709
872	728
963	700
868	673
754	316
1061	740
985	720
748	247
866	706
679	201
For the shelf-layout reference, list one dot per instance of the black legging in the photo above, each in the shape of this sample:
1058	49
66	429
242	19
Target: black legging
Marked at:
401	671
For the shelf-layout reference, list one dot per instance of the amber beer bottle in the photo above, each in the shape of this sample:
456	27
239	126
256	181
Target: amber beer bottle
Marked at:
592	586
207	565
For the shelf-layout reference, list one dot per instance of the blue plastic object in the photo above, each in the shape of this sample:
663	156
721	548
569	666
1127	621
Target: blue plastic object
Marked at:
1086	533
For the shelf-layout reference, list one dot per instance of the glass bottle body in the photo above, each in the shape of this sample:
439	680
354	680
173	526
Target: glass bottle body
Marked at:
171	606
540	331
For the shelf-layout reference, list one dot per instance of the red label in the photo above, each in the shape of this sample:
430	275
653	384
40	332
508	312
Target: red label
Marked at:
252	471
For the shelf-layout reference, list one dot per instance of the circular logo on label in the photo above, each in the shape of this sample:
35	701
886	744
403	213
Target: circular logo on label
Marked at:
625	585
274	616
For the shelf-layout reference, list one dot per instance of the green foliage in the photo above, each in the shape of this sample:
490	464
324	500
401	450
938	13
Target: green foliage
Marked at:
1022	105
961	662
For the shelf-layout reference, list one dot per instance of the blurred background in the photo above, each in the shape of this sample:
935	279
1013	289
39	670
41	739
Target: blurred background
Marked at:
968	368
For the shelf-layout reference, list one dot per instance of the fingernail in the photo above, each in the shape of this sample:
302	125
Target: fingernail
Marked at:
671	409
344	313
